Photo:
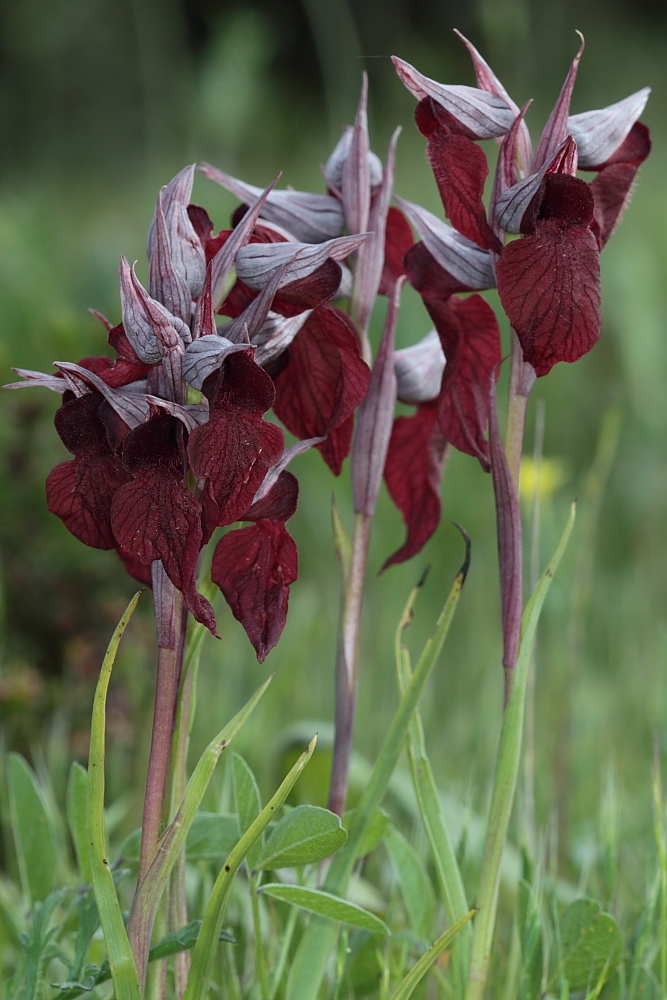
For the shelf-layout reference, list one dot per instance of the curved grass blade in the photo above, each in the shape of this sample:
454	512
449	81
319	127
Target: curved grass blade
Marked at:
319	937
419	970
428	801
505	781
205	948
121	959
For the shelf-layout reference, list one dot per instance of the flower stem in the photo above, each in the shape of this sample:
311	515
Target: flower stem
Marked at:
347	663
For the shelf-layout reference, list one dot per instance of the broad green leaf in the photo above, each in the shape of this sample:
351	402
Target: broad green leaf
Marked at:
305	835
76	818
413	882
33	829
248	803
419	970
121	959
205	949
326	905
590	944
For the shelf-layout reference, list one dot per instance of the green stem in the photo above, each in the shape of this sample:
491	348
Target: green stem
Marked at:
260	957
347	663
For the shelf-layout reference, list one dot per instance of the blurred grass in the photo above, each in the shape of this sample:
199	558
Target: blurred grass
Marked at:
78	190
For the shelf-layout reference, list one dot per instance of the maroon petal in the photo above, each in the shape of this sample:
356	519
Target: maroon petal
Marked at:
428	277
322	380
470	338
398	240
549	283
234	450
254	568
81	493
413	470
613	185
556	129
460	170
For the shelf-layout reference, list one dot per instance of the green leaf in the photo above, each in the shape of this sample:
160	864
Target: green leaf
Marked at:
33	829
248	803
76	818
590	944
121	959
414	883
305	835
326	905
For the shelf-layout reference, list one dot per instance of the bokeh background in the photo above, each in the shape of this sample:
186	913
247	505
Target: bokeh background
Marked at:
101	102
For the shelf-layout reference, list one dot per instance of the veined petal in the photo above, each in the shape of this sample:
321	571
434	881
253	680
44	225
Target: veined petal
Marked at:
309	218
419	369
187	252
254	568
276	334
131	407
483	114
204	356
356	175
150	328
598	134
277	495
487	80
466	261
375	417
613	185
549	283
333	168
256	262
54	382
512	205
556	128
166	284
413	470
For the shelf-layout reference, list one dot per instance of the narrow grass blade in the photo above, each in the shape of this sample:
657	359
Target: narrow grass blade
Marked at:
505	781
33	829
406	988
121	960
207	942
76	818
428	801
318	940
172	841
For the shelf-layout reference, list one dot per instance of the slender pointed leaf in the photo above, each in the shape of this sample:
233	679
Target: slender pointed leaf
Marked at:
33	829
326	905
248	802
76	818
419	970
121	960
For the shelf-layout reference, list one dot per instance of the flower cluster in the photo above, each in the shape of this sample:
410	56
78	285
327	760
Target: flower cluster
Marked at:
170	437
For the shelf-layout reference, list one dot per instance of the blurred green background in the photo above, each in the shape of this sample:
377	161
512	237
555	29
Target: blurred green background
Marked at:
100	104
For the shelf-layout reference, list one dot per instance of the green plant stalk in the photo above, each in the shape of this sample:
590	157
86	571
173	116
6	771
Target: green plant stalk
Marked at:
406	988
121	960
150	889
204	951
444	855
505	782
661	848
318	940
260	957
347	663
286	943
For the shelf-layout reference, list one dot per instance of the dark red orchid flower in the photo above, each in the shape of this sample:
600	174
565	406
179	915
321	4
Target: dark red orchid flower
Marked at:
170	440
548	281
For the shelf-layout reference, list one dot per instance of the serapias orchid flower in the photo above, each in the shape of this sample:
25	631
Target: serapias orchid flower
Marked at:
548	281
170	439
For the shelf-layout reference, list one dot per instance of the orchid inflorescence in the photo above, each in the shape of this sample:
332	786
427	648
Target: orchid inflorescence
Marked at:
170	437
